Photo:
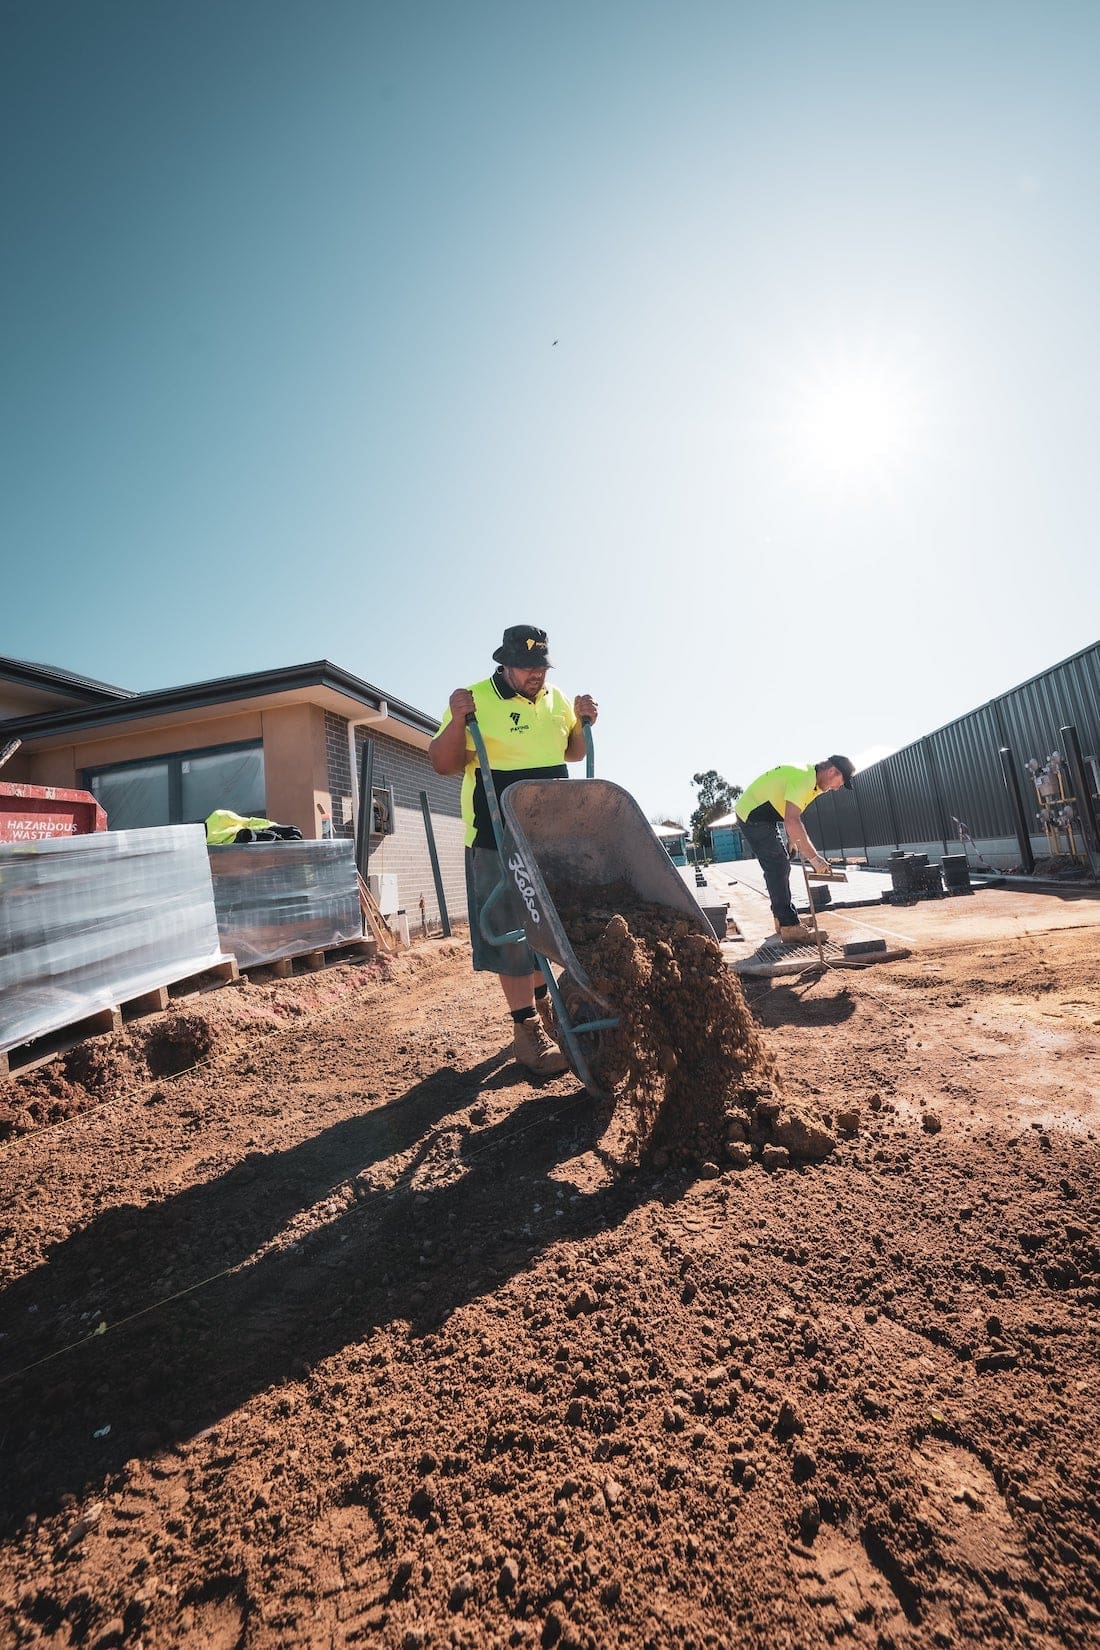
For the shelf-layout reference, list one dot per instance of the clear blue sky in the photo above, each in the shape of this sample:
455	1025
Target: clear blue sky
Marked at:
810	466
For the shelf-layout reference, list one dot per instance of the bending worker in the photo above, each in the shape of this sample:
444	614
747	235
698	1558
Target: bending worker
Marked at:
530	731
780	797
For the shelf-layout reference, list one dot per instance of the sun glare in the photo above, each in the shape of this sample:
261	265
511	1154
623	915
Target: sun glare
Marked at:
853	421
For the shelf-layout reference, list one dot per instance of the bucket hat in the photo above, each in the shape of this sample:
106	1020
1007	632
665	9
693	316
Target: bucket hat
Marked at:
524	648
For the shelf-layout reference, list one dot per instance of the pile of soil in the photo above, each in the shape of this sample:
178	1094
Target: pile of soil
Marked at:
350	1336
176	1043
689	1069
104	1069
1060	866
78	1080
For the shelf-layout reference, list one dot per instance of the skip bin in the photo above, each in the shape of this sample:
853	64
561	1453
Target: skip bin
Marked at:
35	813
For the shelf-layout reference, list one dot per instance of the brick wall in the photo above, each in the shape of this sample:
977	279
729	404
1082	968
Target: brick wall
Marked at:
339	768
404	853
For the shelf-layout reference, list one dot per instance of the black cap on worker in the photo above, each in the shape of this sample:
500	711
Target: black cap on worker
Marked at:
524	648
845	766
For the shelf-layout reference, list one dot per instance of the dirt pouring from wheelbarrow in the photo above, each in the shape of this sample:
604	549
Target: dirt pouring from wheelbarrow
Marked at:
692	1078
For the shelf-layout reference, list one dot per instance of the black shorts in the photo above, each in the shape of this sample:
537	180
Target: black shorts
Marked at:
483	874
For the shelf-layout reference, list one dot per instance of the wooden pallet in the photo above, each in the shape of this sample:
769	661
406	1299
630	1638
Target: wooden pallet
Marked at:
311	961
38	1050
157	1000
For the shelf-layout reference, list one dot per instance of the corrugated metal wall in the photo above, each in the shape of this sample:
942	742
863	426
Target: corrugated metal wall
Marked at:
918	795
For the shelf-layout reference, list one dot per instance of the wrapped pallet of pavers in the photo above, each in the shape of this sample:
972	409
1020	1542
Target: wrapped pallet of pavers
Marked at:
283	899
91	922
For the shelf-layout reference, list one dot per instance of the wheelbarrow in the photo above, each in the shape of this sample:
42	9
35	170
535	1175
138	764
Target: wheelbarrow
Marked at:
575	839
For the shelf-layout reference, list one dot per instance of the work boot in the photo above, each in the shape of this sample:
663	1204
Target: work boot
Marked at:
531	1047
799	934
546	1014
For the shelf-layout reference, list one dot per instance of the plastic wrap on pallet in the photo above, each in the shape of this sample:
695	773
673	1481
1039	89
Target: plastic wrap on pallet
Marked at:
89	922
280	899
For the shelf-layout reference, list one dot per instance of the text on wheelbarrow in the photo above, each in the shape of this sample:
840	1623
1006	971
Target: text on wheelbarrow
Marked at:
523	882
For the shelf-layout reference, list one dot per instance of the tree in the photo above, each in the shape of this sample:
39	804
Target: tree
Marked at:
716	797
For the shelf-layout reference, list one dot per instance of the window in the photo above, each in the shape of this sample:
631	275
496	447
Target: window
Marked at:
223	779
132	795
180	789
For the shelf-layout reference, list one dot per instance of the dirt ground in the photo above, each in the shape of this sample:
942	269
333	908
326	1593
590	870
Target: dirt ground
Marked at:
321	1326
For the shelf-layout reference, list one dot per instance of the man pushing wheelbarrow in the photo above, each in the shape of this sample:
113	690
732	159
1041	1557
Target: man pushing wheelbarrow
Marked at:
530	730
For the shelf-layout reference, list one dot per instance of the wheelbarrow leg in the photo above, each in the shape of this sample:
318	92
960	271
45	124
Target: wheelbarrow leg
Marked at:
514	936
572	1033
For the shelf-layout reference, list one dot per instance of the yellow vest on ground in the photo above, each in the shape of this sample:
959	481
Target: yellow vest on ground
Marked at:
222	826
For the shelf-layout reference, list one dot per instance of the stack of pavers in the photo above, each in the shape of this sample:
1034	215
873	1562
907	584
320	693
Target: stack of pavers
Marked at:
956	874
912	878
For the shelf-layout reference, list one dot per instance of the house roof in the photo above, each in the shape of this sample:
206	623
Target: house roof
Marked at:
319	682
29	674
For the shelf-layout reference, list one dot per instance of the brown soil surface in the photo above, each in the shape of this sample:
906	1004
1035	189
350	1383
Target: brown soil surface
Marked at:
321	1326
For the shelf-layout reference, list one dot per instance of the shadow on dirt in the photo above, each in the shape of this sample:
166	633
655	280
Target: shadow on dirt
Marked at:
807	1003
409	1252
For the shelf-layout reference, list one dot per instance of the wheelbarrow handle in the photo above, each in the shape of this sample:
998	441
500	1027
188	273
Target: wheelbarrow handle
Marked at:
589	748
487	780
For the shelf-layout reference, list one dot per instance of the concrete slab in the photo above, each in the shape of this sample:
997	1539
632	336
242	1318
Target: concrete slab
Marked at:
989	913
862	887
758	950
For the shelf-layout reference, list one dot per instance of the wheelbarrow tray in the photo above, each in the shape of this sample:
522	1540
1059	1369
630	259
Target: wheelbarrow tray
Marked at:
577	840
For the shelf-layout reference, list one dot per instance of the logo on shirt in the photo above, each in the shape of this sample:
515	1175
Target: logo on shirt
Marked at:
514	717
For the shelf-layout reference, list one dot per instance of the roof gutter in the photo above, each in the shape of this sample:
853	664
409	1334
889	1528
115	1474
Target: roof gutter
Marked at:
206	695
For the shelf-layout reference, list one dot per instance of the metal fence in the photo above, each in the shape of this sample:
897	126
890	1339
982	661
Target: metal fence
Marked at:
916	798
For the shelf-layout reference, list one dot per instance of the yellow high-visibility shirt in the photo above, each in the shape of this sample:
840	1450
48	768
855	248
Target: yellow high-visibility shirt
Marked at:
524	739
778	787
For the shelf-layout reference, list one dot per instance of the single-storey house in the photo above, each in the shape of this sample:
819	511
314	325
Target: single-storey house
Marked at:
284	744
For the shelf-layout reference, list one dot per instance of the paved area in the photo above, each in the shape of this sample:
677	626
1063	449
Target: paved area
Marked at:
739	885
988	913
862	887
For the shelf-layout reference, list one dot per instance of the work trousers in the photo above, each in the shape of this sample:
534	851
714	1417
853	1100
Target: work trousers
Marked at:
769	848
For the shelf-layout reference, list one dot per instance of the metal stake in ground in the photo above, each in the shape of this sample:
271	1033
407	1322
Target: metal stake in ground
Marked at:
436	875
813	909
